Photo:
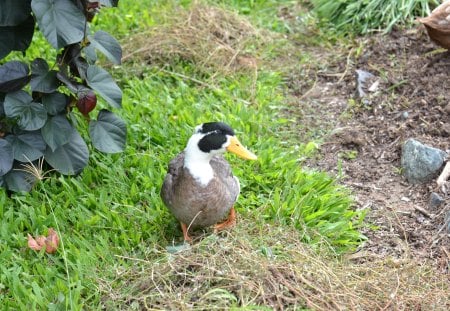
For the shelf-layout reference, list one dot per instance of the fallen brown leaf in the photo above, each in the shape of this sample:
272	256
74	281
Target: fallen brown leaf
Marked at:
50	242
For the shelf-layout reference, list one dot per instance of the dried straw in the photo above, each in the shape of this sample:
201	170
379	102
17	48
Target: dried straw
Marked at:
210	37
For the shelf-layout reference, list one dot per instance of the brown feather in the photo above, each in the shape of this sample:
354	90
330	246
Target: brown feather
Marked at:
438	24
194	204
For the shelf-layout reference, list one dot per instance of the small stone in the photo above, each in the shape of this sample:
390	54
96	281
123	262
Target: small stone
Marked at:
435	200
421	163
374	87
405	199
446	129
447	108
405	115
447	221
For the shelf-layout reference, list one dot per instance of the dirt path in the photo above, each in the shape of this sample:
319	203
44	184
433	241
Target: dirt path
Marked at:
364	144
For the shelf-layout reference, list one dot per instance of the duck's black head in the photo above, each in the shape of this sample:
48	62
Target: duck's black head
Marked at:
215	136
209	127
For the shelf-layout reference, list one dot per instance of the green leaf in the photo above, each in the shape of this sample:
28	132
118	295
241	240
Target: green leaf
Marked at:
108	45
14	76
102	82
56	132
31	115
14	12
27	146
61	22
71	158
6	156
17	180
108	133
42	80
55	102
16	38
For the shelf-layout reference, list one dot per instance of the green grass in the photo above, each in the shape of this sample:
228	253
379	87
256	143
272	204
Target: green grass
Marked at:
113	209
361	16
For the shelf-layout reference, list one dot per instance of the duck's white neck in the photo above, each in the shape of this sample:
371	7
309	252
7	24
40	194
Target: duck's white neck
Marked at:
197	161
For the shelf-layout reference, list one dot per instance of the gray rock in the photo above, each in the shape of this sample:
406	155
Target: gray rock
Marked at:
435	200
421	163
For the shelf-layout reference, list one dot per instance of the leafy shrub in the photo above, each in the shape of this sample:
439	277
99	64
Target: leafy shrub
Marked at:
362	16
38	103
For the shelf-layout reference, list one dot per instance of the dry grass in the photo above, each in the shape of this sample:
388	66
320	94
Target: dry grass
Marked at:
213	39
266	267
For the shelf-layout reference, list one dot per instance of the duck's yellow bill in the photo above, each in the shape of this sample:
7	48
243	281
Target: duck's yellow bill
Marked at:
237	148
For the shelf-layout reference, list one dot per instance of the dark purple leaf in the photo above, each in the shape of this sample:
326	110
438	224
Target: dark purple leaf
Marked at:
16	38
18	179
27	146
73	58
14	75
108	132
56	132
71	158
14	12
102	82
89	52
2	100
6	156
61	22
108	45
42	79
70	84
109	3
55	103
31	116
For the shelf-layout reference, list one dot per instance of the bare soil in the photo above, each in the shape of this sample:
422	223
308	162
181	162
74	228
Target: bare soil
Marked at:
364	143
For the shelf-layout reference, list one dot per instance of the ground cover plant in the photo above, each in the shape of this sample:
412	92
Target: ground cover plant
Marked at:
43	124
361	17
98	223
121	249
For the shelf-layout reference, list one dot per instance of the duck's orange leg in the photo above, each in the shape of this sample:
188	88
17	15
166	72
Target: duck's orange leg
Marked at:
228	223
186	236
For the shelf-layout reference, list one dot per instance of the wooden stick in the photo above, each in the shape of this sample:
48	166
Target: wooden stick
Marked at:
444	175
423	211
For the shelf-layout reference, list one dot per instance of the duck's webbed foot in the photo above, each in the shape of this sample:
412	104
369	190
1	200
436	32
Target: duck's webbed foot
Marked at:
186	236
228	223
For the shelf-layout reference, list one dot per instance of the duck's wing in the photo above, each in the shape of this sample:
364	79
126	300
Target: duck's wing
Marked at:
222	171
174	171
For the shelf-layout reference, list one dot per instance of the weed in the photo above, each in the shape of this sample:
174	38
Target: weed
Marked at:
348	154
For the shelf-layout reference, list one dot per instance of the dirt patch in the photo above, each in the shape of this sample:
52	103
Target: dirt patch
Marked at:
364	144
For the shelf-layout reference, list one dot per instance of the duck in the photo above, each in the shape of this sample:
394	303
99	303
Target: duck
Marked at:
199	188
438	24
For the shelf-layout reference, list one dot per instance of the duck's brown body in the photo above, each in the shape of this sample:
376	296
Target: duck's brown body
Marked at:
438	25
194	204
